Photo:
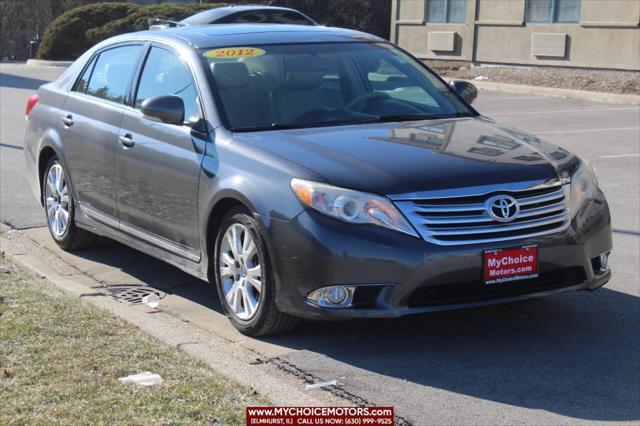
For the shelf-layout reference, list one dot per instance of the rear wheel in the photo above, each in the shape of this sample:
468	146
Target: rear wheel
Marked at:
244	278
60	209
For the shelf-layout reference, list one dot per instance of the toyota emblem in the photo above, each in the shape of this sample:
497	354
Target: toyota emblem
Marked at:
503	208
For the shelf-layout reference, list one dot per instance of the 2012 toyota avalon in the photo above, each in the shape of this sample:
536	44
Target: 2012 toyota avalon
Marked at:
309	172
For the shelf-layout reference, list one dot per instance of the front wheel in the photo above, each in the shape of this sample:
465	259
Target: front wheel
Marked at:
60	209
244	278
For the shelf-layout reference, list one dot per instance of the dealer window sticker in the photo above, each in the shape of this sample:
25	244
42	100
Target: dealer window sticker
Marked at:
234	52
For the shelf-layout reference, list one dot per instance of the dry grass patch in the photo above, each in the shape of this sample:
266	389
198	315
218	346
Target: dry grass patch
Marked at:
60	360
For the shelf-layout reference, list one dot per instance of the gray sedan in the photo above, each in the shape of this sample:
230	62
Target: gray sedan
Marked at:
309	172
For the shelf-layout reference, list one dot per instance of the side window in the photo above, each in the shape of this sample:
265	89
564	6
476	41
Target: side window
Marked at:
81	85
287	17
112	72
552	11
165	74
447	11
248	18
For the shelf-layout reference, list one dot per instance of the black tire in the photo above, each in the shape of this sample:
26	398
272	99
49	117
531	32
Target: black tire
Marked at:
267	319
73	238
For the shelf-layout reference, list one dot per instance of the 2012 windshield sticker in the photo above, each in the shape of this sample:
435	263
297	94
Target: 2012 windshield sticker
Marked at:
234	52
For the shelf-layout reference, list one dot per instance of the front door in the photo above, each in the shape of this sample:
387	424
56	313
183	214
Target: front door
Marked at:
90	125
158	164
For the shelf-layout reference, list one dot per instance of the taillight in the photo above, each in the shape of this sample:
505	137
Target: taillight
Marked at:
31	103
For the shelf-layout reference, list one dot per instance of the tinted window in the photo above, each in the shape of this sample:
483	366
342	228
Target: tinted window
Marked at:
289	18
255	17
447	11
165	74
538	11
81	85
566	11
267	16
112	73
548	11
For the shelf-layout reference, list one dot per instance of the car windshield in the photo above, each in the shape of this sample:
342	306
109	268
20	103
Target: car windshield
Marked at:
284	86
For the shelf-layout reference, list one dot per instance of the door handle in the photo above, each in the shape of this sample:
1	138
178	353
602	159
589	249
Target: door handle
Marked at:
67	120
126	140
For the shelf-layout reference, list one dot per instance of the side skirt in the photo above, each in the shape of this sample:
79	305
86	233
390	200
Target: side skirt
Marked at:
108	226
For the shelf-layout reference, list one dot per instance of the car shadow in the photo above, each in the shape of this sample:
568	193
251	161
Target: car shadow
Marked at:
19	82
574	354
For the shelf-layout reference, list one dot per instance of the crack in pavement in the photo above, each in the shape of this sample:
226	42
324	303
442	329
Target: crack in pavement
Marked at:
290	368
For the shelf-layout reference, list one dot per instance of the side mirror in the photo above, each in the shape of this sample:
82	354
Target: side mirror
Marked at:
466	90
166	109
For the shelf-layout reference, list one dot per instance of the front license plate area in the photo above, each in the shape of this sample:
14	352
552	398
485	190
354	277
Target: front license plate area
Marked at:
506	265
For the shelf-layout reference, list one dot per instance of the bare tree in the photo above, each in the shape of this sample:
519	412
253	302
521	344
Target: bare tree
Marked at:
24	20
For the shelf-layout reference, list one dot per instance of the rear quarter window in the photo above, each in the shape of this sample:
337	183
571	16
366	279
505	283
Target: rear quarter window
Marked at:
112	73
83	81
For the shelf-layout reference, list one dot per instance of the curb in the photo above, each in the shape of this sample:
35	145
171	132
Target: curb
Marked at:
581	95
225	357
46	63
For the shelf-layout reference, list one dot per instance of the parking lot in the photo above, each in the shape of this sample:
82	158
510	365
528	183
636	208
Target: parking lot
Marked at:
567	359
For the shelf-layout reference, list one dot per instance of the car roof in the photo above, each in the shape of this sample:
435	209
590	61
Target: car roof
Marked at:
208	16
224	35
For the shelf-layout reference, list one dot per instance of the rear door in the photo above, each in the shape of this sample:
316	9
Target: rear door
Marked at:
158	168
91	122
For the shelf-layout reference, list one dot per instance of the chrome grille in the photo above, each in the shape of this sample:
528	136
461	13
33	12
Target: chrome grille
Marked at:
465	219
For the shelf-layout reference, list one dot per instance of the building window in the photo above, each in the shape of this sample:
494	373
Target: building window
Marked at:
552	11
447	11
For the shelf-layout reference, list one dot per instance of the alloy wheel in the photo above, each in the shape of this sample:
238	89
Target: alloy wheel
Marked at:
240	271
57	200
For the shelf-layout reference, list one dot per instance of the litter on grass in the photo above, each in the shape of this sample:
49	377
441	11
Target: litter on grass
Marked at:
322	385
142	379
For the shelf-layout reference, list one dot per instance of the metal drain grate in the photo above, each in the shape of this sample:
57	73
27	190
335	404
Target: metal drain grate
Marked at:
131	293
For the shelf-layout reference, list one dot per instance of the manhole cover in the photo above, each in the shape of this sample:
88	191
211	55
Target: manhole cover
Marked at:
132	294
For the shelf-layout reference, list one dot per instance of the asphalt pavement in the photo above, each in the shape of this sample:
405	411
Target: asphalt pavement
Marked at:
17	82
566	359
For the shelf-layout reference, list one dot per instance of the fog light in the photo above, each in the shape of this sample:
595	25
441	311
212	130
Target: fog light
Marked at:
600	263
336	296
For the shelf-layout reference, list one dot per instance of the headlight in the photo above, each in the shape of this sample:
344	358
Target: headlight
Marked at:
584	184
351	206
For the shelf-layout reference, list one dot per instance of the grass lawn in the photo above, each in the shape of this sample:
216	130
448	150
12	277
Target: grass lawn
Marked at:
60	360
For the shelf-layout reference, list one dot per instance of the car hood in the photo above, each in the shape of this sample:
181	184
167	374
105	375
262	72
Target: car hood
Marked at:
413	157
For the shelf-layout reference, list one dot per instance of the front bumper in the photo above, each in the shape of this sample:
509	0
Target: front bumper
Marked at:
414	276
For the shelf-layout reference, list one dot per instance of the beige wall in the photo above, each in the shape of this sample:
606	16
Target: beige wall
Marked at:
501	11
607	36
610	12
409	30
